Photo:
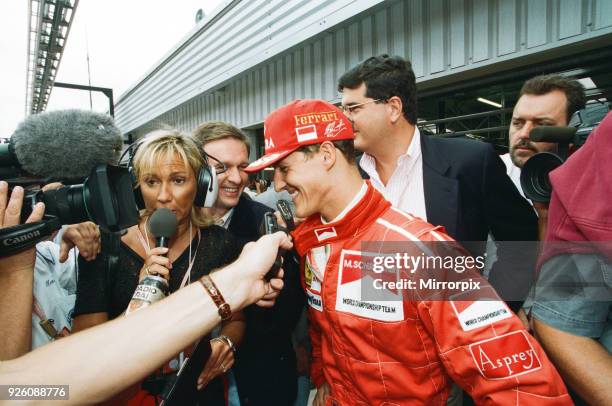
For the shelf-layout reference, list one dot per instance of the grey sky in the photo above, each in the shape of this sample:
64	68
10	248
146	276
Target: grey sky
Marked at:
125	39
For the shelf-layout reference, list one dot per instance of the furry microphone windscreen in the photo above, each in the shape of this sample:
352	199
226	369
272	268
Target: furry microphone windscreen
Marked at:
66	144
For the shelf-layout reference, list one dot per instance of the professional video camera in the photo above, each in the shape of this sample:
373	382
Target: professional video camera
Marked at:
534	175
74	147
105	197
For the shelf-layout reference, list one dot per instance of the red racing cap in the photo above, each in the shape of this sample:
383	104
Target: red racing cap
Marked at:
300	123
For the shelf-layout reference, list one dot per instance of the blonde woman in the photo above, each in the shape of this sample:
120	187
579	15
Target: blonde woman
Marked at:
166	164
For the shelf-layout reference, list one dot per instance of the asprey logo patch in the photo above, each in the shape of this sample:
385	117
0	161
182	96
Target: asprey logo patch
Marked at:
505	356
473	310
325	233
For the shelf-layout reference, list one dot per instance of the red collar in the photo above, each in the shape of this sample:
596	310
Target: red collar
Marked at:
312	232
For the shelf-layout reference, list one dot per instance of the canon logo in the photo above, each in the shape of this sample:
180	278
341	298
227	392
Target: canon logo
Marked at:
16	240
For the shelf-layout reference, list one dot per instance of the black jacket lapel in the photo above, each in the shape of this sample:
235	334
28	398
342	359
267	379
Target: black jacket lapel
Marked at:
441	192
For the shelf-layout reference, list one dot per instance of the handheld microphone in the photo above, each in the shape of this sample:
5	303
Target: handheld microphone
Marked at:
163	226
63	145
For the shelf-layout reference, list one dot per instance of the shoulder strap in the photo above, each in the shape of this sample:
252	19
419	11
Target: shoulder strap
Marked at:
111	242
25	236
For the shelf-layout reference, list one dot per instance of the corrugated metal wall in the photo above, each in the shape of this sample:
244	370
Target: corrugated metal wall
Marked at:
316	41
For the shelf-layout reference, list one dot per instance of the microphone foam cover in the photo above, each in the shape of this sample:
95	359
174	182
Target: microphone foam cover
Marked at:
66	144
163	223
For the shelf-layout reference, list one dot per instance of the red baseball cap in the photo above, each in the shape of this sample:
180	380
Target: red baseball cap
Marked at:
300	123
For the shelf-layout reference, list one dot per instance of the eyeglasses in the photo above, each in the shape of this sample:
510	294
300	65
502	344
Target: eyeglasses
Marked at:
219	166
348	110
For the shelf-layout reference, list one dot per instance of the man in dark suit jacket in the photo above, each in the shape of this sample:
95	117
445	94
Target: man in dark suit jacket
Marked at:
460	184
265	363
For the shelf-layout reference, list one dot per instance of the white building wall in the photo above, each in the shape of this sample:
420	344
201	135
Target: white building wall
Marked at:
253	56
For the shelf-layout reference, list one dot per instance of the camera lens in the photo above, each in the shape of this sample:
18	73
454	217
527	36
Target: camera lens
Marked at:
67	203
535	179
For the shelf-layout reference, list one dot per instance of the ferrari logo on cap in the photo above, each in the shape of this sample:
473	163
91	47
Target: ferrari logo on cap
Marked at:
314	118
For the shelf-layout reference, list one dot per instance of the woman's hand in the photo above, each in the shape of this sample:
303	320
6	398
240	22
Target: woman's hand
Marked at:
220	361
156	264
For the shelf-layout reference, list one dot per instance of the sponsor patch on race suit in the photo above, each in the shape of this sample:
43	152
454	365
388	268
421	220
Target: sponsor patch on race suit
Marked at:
506	356
314	270
479	308
352	278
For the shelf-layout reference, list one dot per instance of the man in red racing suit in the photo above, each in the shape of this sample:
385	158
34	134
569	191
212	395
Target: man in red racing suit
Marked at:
401	352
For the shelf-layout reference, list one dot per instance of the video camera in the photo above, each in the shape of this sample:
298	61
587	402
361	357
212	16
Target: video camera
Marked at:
106	198
74	147
534	175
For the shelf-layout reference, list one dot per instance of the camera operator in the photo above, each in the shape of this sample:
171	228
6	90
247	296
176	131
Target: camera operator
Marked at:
545	100
120	346
572	310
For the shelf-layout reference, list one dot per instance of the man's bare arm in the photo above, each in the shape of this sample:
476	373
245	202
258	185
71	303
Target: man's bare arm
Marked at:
584	364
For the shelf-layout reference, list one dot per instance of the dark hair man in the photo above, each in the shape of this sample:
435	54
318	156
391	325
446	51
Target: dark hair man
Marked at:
458	184
265	363
399	351
543	100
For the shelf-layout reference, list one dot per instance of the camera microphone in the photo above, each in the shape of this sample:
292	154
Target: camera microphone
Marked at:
547	133
163	225
61	145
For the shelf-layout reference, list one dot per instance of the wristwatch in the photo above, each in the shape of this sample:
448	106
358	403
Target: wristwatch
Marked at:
224	309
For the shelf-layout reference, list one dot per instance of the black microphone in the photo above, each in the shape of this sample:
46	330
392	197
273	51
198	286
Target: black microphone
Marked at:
163	226
63	145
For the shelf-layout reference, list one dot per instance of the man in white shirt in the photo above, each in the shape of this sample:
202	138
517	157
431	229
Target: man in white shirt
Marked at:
460	184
